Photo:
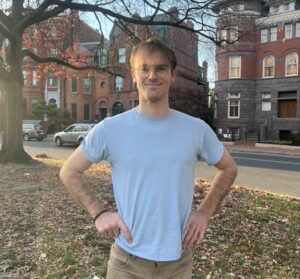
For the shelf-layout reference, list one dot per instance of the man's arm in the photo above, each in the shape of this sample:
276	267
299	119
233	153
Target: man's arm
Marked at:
198	221
71	174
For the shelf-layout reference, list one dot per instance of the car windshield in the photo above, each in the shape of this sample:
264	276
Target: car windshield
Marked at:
38	127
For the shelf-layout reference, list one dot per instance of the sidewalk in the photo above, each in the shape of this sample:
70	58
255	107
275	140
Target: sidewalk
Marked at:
263	148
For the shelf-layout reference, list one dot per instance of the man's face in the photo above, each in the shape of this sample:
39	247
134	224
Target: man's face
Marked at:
153	76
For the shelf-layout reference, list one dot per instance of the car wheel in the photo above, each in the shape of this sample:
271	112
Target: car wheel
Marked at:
26	137
58	141
79	141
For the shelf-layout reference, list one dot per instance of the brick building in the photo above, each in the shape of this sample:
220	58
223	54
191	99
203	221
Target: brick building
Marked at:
91	96
258	83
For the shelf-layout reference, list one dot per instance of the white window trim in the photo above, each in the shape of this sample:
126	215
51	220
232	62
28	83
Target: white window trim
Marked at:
297	31
74	92
291	31
117	87
291	75
233	97
274	37
84	86
234	33
264	74
239	108
122	55
266	101
230	72
264	35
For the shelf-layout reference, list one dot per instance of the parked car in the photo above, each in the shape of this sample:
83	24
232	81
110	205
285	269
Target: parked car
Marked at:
74	134
33	131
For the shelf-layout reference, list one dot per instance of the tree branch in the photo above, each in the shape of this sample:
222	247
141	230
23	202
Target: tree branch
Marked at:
5	22
40	14
27	52
133	20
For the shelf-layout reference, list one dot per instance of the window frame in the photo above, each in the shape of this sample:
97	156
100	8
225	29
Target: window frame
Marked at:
85	86
72	87
264	66
288	31
231	67
233	97
287	65
264	37
273	35
118	85
122	55
297	29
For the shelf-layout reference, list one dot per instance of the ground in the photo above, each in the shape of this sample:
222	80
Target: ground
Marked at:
44	234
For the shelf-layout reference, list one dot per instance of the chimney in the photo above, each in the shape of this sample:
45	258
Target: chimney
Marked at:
173	14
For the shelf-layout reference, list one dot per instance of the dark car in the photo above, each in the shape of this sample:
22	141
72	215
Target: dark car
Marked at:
33	131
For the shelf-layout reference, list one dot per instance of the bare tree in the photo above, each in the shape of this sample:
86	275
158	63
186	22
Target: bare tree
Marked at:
18	17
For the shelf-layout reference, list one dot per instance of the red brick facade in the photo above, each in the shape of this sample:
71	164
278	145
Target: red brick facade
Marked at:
257	96
111	94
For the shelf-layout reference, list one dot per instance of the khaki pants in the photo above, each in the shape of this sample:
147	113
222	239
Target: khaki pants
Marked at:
122	265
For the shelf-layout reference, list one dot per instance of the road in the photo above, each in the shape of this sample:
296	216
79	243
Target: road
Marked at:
271	172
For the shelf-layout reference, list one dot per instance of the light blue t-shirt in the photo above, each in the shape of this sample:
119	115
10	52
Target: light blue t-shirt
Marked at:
152	162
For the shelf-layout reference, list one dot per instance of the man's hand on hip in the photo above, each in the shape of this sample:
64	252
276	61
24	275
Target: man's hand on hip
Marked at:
195	229
109	225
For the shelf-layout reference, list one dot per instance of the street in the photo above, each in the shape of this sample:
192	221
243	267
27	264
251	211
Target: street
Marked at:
271	172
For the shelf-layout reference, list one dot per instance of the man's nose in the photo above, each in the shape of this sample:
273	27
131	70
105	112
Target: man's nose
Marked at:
152	73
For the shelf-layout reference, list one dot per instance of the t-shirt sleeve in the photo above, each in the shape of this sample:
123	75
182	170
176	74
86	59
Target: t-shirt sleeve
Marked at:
94	145
212	149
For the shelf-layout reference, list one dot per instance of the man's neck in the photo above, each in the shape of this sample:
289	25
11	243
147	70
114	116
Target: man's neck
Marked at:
158	110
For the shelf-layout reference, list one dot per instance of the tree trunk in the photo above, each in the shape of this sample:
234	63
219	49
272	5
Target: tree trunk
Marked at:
12	150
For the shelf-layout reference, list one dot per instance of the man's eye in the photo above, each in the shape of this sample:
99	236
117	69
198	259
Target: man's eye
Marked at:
161	68
145	69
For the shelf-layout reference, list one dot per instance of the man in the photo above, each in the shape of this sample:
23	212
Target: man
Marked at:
152	151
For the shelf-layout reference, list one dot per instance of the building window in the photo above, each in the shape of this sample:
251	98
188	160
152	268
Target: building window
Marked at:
117	108
223	36
74	112
86	86
287	104
234	105
266	101
118	83
273	35
121	55
74	85
234	33
264	35
102	110
52	82
86	112
53	52
34	78
268	66
235	67
288	31
291	64
102	84
297	34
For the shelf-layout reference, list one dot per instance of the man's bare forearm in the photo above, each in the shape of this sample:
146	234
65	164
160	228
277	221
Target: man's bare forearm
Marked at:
227	172
80	190
221	184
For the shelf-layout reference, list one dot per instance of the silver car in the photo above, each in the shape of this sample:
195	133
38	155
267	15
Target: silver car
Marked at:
74	134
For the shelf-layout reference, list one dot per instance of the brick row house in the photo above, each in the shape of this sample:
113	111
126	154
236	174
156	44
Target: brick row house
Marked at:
92	96
257	90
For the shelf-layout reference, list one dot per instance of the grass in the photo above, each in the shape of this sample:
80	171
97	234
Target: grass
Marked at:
44	234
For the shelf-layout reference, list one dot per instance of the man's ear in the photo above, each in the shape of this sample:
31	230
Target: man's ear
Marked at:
132	71
174	74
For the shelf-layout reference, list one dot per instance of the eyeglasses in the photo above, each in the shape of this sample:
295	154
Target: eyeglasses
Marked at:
145	70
